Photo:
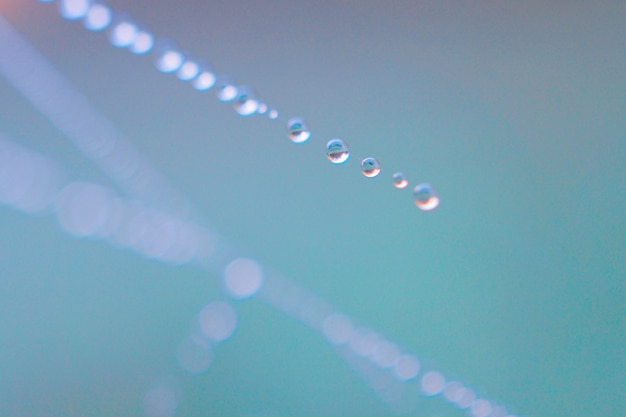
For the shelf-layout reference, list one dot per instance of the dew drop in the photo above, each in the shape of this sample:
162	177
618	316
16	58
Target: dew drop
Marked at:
144	41
273	114
167	57
245	103
226	89
399	180
298	130
205	79
188	70
426	197
98	17
370	167
337	151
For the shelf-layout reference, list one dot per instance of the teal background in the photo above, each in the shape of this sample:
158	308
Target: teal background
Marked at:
514	285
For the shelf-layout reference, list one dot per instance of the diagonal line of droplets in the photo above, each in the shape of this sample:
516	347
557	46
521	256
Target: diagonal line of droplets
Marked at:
380	362
124	32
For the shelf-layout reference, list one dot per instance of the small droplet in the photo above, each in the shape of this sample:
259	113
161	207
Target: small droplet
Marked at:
226	90
262	108
337	151
426	197
98	17
298	130
123	31
245	102
399	180
167	56
188	70
205	79
272	114
142	44
370	167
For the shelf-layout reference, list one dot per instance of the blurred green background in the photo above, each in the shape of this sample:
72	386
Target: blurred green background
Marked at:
514	285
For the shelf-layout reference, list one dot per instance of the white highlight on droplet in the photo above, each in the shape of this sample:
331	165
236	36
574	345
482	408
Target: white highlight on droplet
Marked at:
217	321
433	383
243	278
338	329
406	367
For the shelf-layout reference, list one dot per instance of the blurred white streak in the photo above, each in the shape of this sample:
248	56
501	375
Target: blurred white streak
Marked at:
48	91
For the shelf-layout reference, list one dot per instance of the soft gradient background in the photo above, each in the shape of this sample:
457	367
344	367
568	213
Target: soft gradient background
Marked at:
515	111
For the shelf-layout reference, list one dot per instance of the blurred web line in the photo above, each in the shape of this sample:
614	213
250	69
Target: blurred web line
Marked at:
380	362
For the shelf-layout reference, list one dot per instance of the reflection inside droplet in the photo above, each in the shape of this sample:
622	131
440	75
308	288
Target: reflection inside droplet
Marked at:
399	180
426	197
297	130
337	151
370	167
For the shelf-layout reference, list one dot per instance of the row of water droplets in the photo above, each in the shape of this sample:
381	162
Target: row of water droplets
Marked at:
124	32
338	152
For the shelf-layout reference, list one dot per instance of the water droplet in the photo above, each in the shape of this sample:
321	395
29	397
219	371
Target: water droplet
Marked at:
298	130
337	151
272	114
188	70
98	17
167	56
426	197
226	90
123	31
262	108
399	180
205	80
370	167
142	44
245	102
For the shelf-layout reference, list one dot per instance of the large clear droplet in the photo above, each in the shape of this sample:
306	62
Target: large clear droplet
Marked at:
426	197
297	130
337	151
399	180
370	167
246	102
